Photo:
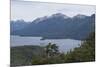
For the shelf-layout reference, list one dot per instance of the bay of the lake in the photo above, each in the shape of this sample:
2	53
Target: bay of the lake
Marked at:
64	44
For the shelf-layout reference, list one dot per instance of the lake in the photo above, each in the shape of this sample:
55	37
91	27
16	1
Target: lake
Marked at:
64	44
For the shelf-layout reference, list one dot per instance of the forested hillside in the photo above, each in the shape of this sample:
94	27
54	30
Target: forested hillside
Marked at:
22	55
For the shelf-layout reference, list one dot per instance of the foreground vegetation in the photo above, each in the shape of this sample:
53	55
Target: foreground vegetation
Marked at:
36	55
22	55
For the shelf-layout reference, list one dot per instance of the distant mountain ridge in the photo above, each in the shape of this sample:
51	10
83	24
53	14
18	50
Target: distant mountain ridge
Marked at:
59	26
17	25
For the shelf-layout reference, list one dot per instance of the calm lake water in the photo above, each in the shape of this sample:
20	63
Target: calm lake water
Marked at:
64	44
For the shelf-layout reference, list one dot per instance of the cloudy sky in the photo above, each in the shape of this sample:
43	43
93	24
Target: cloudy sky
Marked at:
29	11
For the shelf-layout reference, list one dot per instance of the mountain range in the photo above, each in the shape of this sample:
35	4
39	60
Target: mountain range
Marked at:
17	25
56	26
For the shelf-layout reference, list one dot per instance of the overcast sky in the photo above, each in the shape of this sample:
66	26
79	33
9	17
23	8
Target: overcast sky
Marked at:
29	11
